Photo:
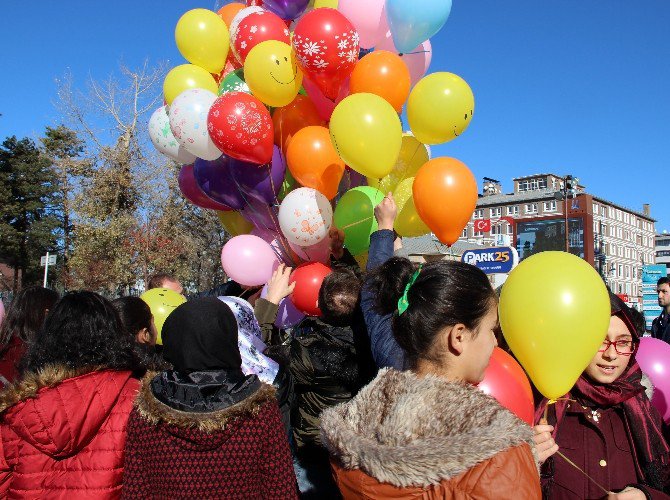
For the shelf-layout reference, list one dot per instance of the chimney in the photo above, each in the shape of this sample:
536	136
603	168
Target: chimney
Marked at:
646	209
491	187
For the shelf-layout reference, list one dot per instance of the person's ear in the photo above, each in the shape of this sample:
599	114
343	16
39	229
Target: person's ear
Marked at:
456	337
144	336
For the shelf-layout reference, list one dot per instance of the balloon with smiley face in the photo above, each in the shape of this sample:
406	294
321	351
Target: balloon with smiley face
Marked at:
272	73
162	302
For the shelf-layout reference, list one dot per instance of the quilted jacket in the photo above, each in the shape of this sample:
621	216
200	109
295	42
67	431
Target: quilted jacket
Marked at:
63	434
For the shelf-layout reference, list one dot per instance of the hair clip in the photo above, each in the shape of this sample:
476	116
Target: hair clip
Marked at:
403	303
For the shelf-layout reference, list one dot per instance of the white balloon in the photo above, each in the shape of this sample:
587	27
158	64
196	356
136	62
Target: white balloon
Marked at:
188	122
164	140
305	217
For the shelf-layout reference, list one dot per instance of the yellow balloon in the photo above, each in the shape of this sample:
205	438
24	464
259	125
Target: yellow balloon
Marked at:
412	156
331	4
162	302
440	108
234	223
184	77
202	38
272	73
407	223
362	259
554	313
367	134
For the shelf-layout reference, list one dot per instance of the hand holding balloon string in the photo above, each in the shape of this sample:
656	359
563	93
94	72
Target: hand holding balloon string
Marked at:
278	286
386	212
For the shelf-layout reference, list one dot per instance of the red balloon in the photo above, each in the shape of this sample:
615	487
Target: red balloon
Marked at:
308	278
326	46
241	126
254	28
189	188
506	381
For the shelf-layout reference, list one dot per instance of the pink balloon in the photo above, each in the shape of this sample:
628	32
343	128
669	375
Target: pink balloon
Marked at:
324	106
369	19
315	253
417	61
653	356
248	260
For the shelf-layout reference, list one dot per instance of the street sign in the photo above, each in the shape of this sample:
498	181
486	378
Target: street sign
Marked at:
52	260
495	260
650	275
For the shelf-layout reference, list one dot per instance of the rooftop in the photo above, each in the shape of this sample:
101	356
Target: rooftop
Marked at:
429	245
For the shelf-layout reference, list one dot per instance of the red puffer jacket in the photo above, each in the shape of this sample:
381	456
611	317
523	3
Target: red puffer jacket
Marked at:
63	434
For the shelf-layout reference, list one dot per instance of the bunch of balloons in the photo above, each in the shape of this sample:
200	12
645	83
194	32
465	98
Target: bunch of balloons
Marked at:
285	116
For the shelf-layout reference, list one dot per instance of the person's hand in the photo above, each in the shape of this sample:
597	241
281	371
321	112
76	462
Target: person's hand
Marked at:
386	212
629	493
278	286
336	236
544	443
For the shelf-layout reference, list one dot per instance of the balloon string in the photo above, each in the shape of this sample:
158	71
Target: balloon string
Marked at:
416	52
356	223
545	421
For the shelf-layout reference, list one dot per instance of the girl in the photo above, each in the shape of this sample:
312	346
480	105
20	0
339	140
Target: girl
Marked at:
428	432
606	426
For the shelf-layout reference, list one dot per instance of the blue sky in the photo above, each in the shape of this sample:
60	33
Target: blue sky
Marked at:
570	86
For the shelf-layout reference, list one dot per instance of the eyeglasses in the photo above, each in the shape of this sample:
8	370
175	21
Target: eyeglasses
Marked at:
622	347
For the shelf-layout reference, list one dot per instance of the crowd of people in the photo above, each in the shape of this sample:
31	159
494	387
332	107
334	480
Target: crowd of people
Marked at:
375	398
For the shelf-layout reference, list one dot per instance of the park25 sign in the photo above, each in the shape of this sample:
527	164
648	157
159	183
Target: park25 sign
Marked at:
495	260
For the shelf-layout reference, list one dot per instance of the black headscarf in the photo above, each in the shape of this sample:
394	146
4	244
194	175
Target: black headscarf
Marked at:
201	335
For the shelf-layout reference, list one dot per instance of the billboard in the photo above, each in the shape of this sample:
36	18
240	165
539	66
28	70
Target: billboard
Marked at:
496	260
650	275
542	235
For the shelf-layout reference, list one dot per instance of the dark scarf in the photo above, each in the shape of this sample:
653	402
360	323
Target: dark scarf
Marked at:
643	421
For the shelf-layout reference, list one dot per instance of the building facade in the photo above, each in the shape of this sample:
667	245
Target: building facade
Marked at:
539	216
662	242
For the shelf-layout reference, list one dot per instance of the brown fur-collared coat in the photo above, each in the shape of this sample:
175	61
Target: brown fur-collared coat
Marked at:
408	437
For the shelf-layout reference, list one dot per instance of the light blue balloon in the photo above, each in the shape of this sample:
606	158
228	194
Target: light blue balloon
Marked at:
415	21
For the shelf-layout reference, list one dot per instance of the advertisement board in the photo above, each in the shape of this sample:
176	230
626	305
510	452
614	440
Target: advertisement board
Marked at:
495	260
541	235
650	275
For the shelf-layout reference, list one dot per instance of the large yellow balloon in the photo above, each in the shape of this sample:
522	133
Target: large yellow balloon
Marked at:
413	155
234	223
440	108
162	302
367	134
202	38
554	313
407	223
272	73
184	77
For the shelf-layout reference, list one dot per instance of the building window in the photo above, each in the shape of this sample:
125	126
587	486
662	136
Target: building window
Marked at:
464	234
479	214
550	206
496	212
595	208
620	271
619	233
478	234
604	230
618	214
497	229
531	208
524	185
628	288
514	210
627	255
510	229
627	272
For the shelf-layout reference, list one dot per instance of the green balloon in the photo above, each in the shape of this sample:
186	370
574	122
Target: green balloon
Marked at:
354	214
287	186
234	82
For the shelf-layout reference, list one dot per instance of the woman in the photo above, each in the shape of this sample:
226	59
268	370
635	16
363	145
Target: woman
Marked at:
606	426
204	429
63	424
137	320
428	432
24	317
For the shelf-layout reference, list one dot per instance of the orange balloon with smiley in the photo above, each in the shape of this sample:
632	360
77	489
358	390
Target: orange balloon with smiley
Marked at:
272	74
289	119
313	161
383	73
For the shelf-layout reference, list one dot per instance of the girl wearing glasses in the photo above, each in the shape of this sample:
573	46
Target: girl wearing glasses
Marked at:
606	426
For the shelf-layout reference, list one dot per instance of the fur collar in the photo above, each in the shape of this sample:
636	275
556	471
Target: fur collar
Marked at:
31	382
153	411
411	431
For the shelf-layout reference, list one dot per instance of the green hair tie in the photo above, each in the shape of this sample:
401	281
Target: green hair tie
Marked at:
403	302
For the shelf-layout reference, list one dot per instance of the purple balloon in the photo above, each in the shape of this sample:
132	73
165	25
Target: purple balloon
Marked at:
215	179
261	214
286	9
287	315
192	192
653	356
262	182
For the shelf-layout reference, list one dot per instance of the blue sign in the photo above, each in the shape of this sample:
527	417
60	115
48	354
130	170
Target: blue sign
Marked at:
650	275
496	260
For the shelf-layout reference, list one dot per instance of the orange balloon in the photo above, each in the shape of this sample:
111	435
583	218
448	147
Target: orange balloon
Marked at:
228	12
382	73
313	161
289	119
445	195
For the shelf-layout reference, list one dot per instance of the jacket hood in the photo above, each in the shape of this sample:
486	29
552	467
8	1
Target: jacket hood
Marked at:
411	431
59	410
199	430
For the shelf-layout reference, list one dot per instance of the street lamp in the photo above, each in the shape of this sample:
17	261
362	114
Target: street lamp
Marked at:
568	190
